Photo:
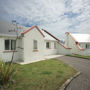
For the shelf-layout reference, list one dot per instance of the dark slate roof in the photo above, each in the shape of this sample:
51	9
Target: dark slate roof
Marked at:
7	29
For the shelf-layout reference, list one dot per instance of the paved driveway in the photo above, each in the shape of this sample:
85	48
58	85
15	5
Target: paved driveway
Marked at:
82	82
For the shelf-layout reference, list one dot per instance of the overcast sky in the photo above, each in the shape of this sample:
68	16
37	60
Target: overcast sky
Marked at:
56	16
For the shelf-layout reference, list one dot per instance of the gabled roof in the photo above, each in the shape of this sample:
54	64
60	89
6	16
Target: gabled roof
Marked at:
6	27
82	37
77	43
44	33
26	31
63	45
49	36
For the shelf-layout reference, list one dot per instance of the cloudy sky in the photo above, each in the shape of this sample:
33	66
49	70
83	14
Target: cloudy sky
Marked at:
56	16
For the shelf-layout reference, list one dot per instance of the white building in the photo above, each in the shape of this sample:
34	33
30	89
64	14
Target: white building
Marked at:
37	44
32	43
80	43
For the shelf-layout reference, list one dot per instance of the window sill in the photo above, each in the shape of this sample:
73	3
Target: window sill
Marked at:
9	51
35	50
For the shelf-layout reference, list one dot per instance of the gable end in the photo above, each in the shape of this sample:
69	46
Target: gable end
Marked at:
32	29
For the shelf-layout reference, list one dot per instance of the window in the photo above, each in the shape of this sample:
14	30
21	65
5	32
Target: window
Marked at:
47	44
13	44
35	44
10	44
7	44
54	45
87	45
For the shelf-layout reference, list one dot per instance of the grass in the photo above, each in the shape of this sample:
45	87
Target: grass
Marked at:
80	56
43	75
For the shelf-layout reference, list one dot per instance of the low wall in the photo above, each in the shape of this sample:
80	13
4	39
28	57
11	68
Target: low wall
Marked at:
84	52
63	50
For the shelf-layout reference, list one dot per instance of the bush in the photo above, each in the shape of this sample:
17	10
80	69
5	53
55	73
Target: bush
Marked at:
6	73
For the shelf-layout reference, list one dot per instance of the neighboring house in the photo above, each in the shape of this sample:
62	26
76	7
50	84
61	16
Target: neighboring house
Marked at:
80	43
8	41
32	43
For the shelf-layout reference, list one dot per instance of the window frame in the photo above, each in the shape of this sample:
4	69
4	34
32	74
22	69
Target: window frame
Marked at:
87	46
35	45
13	47
48	45
55	45
10	45
6	45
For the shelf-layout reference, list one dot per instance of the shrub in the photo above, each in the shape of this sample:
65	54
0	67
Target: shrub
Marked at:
6	73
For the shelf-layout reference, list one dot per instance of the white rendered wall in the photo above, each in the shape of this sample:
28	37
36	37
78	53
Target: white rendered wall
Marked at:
6	56
63	51
70	43
75	50
83	45
29	54
51	50
20	49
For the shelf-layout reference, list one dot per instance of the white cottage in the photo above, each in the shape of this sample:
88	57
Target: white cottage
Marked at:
80	43
32	44
8	42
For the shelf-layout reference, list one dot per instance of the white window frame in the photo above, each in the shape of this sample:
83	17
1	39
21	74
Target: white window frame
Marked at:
87	45
55	46
49	45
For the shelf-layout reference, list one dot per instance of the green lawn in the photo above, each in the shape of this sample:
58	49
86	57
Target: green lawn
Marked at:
43	75
80	56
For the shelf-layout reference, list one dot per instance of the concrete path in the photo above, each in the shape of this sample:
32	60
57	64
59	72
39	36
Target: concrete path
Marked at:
82	82
44	58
